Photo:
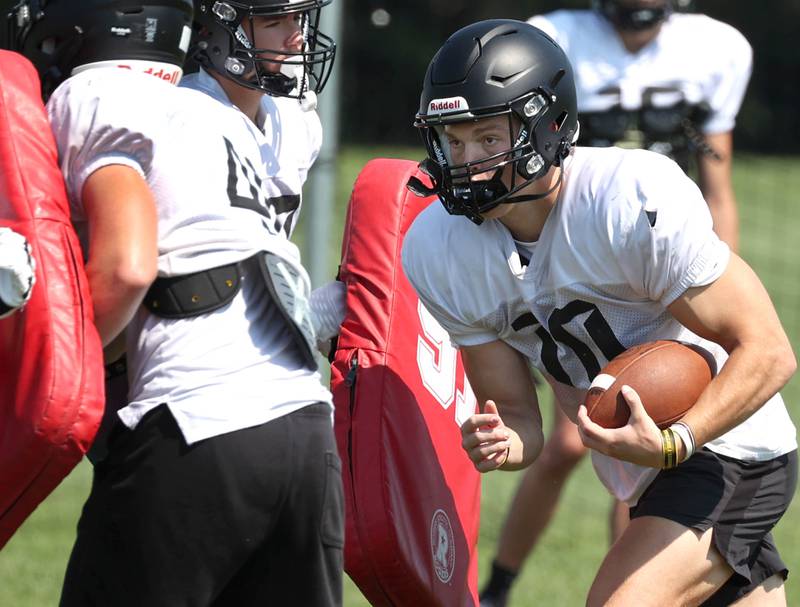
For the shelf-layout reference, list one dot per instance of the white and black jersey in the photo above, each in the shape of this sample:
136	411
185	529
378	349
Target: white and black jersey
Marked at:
289	137
694	72
629	234
224	191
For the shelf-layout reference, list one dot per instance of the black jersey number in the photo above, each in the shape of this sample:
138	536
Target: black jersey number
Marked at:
596	327
276	211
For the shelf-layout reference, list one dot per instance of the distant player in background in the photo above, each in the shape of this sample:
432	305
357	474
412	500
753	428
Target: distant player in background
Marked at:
652	77
561	257
17	269
648	77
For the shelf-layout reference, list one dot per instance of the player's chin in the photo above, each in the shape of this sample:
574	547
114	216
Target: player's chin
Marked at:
497	212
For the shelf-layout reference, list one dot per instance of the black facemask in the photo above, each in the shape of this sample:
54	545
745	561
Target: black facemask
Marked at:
633	18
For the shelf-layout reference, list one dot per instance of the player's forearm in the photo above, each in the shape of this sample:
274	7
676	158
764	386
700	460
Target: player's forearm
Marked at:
527	440
725	215
717	187
116	295
753	373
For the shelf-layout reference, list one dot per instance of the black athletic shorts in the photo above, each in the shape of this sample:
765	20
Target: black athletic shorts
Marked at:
251	517
742	501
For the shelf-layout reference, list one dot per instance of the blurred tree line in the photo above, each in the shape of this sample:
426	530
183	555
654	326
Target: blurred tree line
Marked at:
388	44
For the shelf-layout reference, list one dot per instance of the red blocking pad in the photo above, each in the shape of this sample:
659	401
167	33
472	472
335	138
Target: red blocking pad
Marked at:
412	495
51	359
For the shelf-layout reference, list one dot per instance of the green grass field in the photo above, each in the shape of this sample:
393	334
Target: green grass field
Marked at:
563	565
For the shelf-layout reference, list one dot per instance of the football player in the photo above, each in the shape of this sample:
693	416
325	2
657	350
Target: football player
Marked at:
648	75
221	482
17	271
561	257
269	58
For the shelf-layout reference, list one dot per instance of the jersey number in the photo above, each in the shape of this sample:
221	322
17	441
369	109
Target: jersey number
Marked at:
597	328
438	366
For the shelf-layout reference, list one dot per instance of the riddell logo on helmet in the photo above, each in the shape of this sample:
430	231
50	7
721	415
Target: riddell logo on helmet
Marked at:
450	104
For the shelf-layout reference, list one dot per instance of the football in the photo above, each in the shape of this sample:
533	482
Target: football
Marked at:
668	376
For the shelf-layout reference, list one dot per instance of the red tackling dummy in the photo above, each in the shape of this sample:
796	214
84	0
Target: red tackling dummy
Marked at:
51	359
412	495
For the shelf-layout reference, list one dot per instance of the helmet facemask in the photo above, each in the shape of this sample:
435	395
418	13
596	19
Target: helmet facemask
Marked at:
279	72
634	17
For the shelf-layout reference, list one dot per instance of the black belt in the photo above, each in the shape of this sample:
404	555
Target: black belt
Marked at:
208	290
197	293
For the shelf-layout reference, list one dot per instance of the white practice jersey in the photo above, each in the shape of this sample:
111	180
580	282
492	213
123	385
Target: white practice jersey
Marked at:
290	139
689	80
629	234
694	58
224	190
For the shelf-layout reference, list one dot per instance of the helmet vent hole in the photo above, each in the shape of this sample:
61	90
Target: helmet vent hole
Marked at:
557	78
501	79
559	122
131	11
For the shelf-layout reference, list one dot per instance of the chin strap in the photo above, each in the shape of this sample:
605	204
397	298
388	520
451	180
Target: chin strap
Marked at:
530	197
432	170
278	83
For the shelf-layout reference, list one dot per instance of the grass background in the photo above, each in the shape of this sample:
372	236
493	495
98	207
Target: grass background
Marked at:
562	567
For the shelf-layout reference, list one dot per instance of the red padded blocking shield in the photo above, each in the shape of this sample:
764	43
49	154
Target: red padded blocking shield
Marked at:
51	360
412	495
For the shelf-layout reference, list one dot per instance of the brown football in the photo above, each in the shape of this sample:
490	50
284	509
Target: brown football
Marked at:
668	376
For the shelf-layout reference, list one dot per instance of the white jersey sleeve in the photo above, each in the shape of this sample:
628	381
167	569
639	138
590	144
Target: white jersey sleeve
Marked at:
661	232
95	125
694	58
438	281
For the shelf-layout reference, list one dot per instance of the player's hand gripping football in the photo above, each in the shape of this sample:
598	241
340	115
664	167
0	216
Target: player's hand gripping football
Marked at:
486	439
638	441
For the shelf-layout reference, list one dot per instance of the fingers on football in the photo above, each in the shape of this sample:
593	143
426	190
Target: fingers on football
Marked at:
634	404
591	433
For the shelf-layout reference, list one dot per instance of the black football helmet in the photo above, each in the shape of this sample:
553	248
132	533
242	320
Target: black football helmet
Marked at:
223	43
636	15
61	35
498	67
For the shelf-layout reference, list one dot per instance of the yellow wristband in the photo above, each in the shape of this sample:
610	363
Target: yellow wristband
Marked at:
668	449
